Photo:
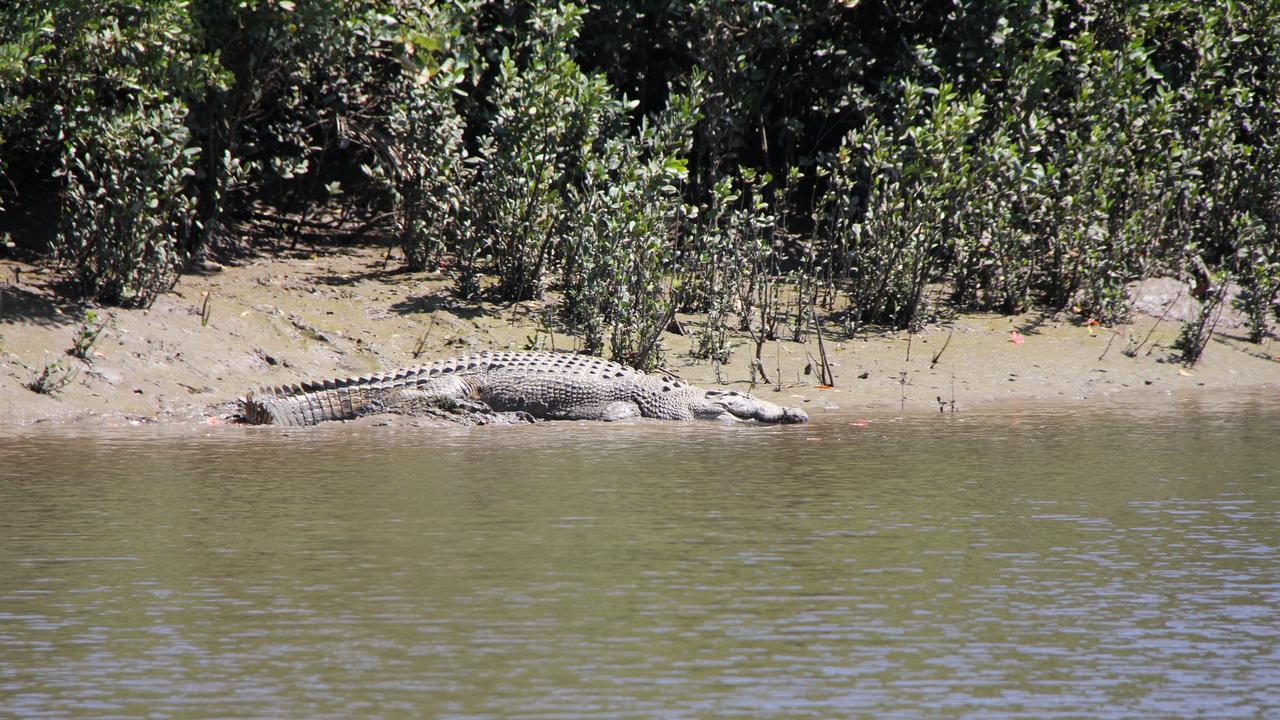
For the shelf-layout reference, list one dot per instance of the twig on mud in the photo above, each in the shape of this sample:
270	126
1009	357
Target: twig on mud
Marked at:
421	346
669	372
938	354
1114	334
902	390
1167	308
902	377
825	378
777	359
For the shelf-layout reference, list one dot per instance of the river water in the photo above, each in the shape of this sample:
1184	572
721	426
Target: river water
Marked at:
1021	563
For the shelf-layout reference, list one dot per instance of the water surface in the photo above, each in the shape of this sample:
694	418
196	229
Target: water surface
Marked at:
1120	563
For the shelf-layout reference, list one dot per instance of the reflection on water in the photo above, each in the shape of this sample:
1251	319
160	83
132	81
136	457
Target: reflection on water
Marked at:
1117	564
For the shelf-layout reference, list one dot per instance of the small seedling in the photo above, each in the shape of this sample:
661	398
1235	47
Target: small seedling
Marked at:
542	336
87	337
53	378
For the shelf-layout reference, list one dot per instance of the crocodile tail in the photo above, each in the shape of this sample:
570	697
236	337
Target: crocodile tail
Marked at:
293	407
308	403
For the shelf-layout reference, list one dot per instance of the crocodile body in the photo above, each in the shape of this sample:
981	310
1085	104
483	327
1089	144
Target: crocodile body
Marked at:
548	386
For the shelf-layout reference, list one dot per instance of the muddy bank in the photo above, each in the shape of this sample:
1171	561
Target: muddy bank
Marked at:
285	318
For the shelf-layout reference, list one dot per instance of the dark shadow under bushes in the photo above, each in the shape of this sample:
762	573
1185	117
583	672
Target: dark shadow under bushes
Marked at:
25	305
427	304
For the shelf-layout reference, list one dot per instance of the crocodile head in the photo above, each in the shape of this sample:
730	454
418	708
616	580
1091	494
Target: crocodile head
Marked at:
731	405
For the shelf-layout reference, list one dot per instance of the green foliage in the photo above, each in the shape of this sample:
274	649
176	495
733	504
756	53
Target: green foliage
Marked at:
1081	167
295	83
23	46
421	154
731	259
1258	264
618	252
103	101
918	172
548	118
125	213
640	157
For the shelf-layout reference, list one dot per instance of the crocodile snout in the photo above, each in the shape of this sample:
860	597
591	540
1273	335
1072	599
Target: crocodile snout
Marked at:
792	416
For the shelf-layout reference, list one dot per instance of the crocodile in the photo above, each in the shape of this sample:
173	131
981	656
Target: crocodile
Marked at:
514	385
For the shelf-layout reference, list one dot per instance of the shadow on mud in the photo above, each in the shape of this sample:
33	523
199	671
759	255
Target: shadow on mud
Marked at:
47	307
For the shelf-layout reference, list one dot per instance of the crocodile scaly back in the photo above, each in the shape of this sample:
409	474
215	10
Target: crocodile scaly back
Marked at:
309	403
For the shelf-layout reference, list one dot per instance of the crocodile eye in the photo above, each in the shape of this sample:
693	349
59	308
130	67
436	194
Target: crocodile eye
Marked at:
714	393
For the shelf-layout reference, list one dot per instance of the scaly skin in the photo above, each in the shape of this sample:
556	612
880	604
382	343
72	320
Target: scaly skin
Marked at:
550	386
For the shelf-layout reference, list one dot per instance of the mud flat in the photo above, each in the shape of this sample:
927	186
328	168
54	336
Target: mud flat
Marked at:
289	317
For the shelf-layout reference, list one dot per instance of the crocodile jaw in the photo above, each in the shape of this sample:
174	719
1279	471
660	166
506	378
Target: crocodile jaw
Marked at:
733	405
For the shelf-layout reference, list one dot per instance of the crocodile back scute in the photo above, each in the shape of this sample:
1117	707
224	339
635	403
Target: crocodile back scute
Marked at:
308	403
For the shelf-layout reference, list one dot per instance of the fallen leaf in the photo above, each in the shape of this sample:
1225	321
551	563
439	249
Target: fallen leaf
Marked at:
1184	372
823	387
1016	338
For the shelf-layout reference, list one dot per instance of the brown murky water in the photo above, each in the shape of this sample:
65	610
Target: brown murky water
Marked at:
1033	564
